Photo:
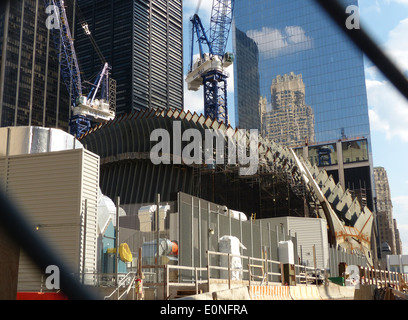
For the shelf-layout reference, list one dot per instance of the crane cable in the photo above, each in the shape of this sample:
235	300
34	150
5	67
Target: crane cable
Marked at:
198	6
85	26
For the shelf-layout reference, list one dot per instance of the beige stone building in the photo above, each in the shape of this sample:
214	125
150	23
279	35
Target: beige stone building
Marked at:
290	121
398	242
386	224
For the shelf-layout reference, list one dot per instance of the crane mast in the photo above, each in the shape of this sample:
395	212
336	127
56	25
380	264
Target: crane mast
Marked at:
85	108
209	69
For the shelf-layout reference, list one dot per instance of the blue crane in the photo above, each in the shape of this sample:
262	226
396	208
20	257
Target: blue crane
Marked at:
209	69
85	109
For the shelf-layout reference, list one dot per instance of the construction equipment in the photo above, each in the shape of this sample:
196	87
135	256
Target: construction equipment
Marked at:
209	68
85	109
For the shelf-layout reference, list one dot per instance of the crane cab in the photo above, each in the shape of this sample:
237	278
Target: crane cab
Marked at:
227	59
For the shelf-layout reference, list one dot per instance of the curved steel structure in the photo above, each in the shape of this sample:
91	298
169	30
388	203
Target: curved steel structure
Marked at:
283	185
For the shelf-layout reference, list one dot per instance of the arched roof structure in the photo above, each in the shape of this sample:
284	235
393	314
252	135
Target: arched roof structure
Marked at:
283	184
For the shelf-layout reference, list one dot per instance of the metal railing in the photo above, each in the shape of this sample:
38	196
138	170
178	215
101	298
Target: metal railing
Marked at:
310	275
43	255
252	271
255	271
384	278
129	280
166	282
248	270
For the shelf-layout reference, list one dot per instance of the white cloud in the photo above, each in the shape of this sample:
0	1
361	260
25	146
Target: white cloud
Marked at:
404	2
274	42
397	44
372	73
369	6
230	81
204	8
402	228
377	7
193	100
402	203
388	110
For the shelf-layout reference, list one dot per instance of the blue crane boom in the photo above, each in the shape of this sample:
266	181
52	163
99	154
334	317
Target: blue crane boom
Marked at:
209	69
198	30
65	47
221	19
85	109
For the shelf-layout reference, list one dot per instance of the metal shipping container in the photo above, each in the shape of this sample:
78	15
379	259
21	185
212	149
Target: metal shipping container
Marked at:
56	191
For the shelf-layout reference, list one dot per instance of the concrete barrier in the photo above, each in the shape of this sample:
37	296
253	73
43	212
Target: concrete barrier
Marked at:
269	293
257	293
347	292
334	291
232	294
240	293
299	292
282	293
304	293
201	296
330	292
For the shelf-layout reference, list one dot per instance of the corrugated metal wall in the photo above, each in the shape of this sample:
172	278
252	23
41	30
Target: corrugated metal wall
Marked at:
309	232
90	189
197	217
339	255
51	189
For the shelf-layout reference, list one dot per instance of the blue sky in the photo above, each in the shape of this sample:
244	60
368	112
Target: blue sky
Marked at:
387	23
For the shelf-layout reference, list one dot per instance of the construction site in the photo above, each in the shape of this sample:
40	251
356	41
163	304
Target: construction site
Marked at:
174	240
115	225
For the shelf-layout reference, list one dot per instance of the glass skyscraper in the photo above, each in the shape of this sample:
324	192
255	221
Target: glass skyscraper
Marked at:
32	92
142	41
295	36
301	82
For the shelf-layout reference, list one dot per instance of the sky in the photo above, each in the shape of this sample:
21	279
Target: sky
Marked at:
194	100
387	23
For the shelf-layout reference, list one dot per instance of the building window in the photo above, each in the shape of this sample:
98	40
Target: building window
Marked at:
355	151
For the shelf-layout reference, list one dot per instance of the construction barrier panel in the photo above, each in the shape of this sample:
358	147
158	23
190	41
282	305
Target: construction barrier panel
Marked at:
41	296
269	293
304	293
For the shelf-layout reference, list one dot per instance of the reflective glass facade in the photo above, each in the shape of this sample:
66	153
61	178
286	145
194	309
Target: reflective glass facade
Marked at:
348	162
300	80
300	64
31	89
142	41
